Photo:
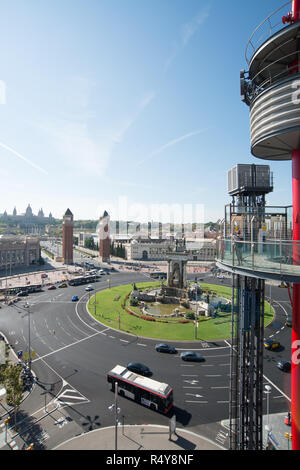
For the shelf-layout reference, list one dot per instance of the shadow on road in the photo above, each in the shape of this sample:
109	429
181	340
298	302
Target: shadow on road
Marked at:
29	431
182	416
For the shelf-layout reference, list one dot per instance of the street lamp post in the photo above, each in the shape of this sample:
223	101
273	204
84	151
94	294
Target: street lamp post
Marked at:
29	340
116	416
117	411
268	428
268	391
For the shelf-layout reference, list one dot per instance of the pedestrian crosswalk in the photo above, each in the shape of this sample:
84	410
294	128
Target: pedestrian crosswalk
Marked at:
70	397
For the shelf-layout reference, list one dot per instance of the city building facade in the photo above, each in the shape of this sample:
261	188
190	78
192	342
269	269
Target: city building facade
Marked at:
18	250
157	249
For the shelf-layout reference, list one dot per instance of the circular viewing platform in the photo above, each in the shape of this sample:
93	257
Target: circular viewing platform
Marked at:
272	89
272	28
264	260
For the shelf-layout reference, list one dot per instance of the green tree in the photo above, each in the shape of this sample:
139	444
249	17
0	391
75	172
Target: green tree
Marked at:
89	243
13	384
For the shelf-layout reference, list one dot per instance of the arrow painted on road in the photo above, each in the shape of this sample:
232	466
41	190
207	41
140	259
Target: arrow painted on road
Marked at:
195	395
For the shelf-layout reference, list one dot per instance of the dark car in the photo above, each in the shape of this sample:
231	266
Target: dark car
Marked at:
23	293
52	287
285	366
289	322
283	285
166	348
192	356
271	344
139	368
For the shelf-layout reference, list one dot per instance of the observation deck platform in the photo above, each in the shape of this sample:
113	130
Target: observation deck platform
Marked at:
264	260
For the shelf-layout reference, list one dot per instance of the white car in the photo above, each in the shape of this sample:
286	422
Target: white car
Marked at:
89	288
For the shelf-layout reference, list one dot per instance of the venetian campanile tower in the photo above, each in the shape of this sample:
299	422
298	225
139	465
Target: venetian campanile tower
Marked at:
67	246
104	238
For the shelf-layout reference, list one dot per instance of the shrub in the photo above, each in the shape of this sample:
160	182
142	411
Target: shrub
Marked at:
190	316
134	302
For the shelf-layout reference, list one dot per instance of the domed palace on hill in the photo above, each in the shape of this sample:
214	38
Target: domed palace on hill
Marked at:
27	221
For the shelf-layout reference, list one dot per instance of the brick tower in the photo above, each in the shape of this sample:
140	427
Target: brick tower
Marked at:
104	238
67	246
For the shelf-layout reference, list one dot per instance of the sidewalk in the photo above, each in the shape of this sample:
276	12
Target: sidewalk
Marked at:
278	429
139	437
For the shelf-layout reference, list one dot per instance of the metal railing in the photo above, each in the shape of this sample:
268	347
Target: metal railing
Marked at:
280	257
252	90
266	29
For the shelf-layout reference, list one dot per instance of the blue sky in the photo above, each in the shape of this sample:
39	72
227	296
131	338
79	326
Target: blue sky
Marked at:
136	100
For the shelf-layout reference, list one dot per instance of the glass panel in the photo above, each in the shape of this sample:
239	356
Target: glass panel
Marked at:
280	257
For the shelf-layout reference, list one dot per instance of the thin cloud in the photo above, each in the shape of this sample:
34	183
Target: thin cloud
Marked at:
86	148
125	126
26	160
171	144
188	30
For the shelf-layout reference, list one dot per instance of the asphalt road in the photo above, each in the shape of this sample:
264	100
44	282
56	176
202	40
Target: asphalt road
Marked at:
74	354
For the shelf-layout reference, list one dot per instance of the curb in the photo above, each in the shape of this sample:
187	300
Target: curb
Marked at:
166	428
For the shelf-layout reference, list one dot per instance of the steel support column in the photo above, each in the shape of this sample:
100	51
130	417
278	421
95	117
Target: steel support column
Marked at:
246	431
295	373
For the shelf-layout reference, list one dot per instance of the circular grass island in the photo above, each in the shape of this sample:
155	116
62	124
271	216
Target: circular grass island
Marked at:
113	309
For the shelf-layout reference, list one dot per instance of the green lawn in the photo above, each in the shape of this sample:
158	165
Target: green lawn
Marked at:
110	312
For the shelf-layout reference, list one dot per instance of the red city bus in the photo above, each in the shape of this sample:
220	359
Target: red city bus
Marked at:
158	396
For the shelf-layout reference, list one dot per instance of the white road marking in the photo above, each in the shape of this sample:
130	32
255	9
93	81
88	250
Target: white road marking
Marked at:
195	395
67	346
189	401
194	387
215	388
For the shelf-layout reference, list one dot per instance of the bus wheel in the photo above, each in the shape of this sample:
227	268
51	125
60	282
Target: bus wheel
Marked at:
152	407
121	393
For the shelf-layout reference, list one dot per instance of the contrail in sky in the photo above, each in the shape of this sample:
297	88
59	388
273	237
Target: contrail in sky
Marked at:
19	155
171	143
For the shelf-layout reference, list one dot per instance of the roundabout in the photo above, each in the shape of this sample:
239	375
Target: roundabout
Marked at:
113	307
71	365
